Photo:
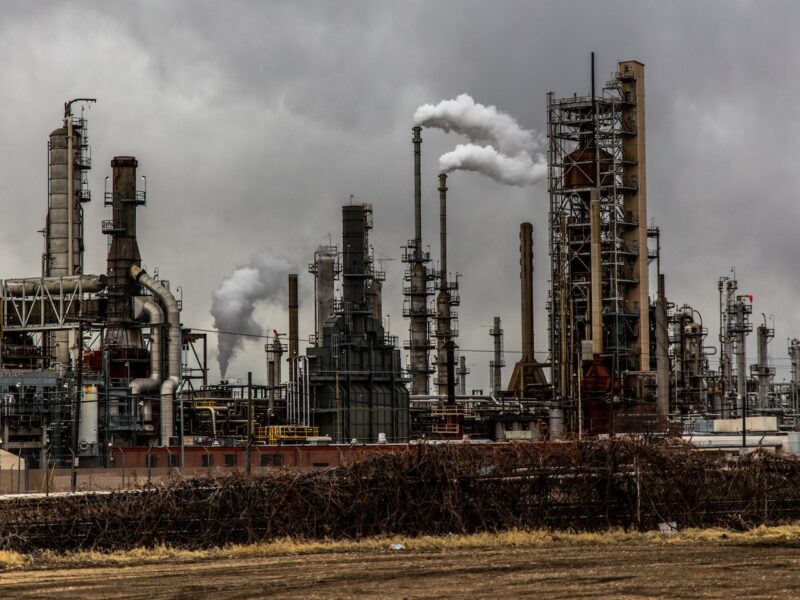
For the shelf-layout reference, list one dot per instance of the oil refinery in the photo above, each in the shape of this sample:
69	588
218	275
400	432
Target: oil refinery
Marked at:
94	365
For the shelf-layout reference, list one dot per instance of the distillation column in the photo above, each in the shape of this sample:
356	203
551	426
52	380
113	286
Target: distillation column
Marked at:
444	301
68	162
763	371
417	292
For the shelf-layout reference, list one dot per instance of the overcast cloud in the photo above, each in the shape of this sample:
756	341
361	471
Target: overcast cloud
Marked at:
255	121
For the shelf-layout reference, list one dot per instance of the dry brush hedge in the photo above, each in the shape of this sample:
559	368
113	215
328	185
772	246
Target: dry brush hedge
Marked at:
427	489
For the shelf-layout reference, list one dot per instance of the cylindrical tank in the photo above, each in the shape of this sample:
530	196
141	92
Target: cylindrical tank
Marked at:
56	261
62	170
87	426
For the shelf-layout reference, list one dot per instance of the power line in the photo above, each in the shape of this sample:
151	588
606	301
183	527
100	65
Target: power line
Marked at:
267	337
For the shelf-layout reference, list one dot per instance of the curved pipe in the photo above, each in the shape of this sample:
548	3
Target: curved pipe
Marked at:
213	413
173	314
147	309
89	284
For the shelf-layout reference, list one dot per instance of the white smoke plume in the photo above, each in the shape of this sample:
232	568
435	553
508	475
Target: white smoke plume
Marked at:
510	155
264	279
519	170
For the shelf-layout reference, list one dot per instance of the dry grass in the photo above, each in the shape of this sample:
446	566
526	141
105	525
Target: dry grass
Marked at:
781	535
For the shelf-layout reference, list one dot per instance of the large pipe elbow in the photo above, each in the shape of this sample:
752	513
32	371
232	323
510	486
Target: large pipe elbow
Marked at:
173	318
146	309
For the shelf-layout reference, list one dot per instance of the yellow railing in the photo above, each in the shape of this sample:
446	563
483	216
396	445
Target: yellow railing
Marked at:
277	434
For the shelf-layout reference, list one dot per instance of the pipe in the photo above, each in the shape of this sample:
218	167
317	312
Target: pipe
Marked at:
443	229
597	307
526	277
293	338
416	139
173	314
213	413
147	309
662	355
70	200
443	300
88	284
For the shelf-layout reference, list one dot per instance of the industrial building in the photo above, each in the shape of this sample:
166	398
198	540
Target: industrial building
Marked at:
94	364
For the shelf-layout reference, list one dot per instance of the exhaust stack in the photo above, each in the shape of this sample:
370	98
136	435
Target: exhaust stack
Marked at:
293	336
526	277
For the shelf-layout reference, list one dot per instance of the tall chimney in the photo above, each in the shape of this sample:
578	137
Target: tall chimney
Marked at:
662	354
293	338
123	253
417	141
443	230
417	292
526	277
444	334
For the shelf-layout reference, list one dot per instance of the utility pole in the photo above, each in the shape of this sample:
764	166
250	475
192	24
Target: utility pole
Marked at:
249	418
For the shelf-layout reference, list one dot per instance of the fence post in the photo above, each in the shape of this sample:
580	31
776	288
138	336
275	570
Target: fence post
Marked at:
149	462
123	467
19	471
74	474
638	496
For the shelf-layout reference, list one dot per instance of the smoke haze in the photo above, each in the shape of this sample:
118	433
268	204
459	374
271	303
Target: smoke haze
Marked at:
511	155
264	279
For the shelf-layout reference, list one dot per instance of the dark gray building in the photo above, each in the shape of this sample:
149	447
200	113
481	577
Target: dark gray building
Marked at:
355	374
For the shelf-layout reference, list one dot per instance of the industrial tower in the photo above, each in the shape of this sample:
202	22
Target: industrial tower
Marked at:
599	304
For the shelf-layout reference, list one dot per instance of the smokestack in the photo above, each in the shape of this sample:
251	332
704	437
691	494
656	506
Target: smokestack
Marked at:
662	354
526	278
417	293
496	365
293	337
443	229
444	335
416	139
123	253
597	297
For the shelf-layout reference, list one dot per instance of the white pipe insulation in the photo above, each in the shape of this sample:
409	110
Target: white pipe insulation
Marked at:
173	316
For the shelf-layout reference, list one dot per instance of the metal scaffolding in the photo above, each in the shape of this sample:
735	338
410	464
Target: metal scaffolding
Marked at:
597	207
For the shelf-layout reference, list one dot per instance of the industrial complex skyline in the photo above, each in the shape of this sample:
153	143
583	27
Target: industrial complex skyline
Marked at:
254	124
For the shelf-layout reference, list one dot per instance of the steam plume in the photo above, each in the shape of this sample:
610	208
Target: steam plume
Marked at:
501	149
234	301
517	170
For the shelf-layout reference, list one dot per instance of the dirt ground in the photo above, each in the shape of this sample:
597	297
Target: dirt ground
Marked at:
619	570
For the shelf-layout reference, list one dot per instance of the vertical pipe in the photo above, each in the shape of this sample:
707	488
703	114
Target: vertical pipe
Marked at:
662	355
70	199
443	230
597	301
271	382
293	335
416	139
741	369
451	372
249	412
443	322
526	280
462	375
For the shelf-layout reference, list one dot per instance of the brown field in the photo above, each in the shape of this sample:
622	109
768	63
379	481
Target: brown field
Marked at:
764	563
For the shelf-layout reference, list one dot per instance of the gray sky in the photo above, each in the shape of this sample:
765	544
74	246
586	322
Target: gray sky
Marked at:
255	121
